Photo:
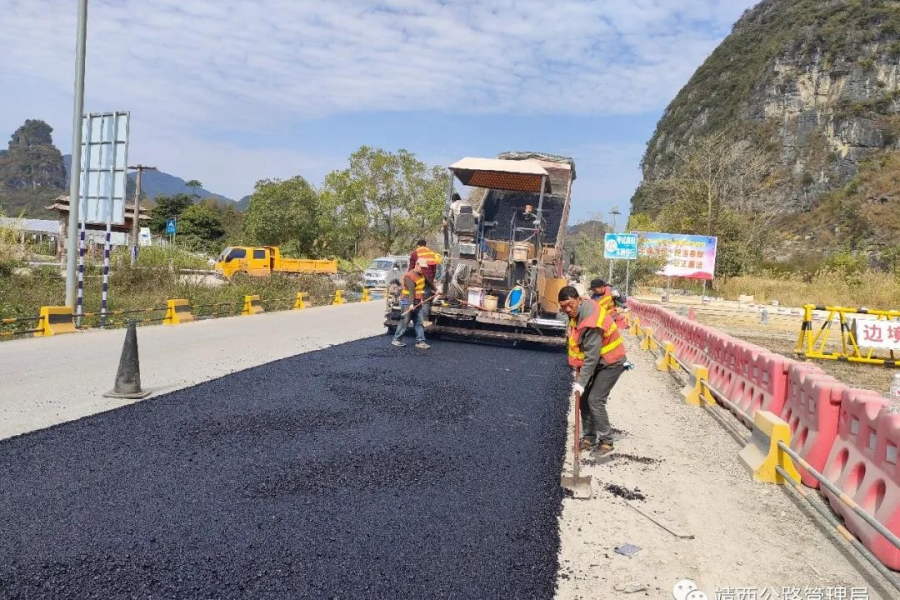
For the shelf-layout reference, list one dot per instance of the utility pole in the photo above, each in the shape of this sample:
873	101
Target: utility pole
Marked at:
614	212
75	169
136	225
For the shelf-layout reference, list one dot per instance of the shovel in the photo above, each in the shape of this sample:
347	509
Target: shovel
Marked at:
417	306
579	486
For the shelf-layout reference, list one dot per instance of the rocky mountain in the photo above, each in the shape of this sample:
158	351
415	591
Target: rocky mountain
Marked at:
815	81
160	183
32	171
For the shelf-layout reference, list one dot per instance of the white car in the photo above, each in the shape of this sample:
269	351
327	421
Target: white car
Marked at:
385	269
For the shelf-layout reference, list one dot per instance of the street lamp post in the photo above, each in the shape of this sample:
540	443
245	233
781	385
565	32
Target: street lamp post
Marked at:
75	168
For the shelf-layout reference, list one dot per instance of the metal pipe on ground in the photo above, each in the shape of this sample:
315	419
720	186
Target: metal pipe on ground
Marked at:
889	575
888	534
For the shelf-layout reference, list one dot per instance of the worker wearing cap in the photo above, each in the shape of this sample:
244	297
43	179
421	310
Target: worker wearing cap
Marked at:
432	260
597	355
411	305
603	294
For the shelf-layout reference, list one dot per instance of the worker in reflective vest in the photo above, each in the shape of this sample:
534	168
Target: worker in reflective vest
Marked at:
432	260
597	355
412	306
607	298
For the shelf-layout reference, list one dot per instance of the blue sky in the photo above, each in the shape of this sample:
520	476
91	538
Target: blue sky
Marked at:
231	91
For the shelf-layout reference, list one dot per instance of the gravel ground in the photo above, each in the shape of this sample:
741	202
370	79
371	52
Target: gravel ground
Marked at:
776	339
681	464
359	471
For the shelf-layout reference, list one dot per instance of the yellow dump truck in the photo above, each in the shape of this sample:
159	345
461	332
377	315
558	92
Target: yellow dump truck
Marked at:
260	261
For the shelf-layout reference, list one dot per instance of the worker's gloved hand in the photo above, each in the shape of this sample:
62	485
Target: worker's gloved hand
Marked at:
577	388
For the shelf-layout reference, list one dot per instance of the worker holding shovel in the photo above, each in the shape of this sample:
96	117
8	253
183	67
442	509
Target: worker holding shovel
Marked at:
597	354
412	301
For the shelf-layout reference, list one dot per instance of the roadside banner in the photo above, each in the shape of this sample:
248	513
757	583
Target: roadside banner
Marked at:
687	256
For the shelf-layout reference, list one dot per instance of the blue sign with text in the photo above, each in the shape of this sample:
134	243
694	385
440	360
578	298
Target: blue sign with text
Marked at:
623	246
170	226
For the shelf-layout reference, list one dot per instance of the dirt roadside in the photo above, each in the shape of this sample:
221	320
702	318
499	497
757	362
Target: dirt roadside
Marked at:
685	465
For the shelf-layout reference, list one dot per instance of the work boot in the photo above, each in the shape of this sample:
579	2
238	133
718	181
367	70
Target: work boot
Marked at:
398	343
604	449
587	444
422	346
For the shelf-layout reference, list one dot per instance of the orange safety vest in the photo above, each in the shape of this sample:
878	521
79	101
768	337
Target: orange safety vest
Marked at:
611	348
419	280
608	303
432	257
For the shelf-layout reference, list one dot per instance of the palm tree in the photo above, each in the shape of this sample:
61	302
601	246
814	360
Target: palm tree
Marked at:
193	184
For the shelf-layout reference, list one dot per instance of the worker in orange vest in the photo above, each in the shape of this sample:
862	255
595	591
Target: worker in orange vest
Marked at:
597	356
608	298
432	260
412	305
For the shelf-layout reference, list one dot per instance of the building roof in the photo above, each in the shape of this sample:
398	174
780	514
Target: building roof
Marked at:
46	226
61	205
499	174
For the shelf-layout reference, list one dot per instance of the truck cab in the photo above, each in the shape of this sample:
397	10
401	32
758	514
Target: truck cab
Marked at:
254	261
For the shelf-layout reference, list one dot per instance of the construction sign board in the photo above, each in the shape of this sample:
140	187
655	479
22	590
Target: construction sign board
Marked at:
687	256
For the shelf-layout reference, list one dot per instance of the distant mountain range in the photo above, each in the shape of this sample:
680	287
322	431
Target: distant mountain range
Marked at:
160	183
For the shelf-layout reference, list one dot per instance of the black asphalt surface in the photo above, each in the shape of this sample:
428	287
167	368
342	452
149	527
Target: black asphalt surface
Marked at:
360	471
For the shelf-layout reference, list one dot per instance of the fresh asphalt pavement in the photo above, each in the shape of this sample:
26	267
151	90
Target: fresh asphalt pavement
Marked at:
357	471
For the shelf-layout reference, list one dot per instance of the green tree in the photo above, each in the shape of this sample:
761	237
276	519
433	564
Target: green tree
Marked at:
726	188
391	197
193	184
288	214
168	207
200	227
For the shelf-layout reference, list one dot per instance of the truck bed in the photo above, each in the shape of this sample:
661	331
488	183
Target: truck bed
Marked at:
304	265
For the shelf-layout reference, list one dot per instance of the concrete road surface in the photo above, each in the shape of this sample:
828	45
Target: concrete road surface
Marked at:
52	380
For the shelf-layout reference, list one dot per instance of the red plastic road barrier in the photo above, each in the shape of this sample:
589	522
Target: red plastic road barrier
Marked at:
863	465
812	410
720	375
743	392
765	386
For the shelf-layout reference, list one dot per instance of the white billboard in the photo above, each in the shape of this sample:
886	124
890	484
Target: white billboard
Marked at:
104	164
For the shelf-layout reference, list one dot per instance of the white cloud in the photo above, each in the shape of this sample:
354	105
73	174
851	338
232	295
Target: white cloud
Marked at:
201	66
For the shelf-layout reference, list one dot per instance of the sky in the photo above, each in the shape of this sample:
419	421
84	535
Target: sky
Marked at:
233	91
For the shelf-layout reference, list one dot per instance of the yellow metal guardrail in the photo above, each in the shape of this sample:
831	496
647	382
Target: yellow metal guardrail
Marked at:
814	344
55	320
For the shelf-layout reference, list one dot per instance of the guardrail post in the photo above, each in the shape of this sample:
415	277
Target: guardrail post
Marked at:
299	304
178	311
648	343
338	297
365	295
696	391
667	361
635	326
56	320
762	455
252	306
